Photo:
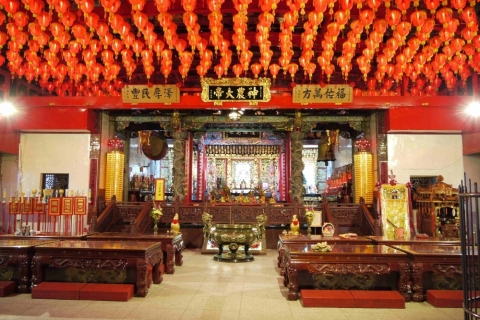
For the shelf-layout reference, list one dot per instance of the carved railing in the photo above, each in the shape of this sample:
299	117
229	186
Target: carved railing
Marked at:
126	213
107	218
369	225
278	213
143	220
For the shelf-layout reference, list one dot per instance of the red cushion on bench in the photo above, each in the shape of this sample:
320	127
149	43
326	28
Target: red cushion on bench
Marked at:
7	288
57	290
378	299
107	292
327	298
445	298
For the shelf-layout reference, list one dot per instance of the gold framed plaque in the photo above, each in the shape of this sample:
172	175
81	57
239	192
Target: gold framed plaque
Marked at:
160	189
162	93
314	93
248	90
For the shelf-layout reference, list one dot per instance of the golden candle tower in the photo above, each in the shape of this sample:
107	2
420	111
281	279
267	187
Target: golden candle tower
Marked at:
115	167
363	172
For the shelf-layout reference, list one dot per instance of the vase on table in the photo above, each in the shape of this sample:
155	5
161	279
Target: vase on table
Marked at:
155	227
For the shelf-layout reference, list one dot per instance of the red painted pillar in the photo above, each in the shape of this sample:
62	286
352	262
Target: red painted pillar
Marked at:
188	167
288	161
201	165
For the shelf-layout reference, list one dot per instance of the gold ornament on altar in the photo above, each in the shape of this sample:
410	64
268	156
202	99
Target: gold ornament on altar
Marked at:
156	215
322	247
295	226
309	214
175	225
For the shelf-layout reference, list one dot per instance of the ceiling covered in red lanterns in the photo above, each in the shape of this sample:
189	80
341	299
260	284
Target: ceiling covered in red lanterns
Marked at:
380	47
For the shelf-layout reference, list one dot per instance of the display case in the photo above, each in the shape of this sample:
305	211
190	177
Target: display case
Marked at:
437	209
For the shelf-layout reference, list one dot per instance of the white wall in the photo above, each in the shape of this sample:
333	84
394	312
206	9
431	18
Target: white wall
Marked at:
426	155
9	178
54	153
471	165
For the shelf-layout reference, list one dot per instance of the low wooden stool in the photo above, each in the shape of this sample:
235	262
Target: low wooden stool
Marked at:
57	290
327	298
7	288
378	299
445	298
107	292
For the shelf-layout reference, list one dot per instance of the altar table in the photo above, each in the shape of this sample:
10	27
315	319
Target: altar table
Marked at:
445	261
172	245
49	236
344	259
18	254
96	255
284	240
414	241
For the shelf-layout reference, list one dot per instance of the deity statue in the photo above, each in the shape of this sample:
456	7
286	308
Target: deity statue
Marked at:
295	226
207	224
175	225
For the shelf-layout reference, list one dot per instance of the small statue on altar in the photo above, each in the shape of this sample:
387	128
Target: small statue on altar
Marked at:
175	225
261	221
272	200
251	197
243	184
226	193
295	226
207	224
241	198
213	196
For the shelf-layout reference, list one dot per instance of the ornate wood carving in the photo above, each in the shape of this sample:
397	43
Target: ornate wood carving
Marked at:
338	268
447	270
344	215
142	270
170	265
417	285
405	273
110	264
4	259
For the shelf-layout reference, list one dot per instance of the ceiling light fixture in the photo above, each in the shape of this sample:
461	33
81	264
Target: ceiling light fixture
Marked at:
235	115
6	109
473	109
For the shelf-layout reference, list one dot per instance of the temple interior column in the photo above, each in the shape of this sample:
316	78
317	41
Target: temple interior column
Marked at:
179	177
296	177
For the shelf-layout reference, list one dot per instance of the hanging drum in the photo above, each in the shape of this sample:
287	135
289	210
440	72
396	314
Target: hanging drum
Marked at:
155	149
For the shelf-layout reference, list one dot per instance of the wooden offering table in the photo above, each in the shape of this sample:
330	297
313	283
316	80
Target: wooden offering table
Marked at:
444	262
414	241
284	240
172	245
15	260
93	256
49	236
357	260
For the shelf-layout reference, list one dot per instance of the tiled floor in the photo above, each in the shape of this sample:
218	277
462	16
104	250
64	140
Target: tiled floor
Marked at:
206	289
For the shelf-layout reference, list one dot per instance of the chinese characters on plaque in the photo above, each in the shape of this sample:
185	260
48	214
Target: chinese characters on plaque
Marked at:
67	206
314	93
154	94
160	189
236	90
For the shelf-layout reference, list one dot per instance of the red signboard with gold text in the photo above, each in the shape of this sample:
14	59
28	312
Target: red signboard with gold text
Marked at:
67	206
54	206
80	205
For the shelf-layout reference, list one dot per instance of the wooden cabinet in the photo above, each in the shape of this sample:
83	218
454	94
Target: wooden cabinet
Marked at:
437	209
